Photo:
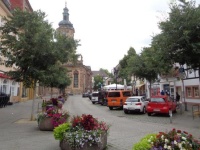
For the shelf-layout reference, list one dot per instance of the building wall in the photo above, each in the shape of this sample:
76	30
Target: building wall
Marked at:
84	72
21	4
188	88
84	78
8	85
66	31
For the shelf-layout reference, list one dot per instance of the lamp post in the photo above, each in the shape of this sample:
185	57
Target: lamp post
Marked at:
115	74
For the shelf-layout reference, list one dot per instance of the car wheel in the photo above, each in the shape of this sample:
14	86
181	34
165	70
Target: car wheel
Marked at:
149	114
125	111
144	110
111	108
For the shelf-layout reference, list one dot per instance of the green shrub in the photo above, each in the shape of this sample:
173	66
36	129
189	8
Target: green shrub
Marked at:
145	142
59	131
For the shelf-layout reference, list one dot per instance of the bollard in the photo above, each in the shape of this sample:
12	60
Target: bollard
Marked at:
170	115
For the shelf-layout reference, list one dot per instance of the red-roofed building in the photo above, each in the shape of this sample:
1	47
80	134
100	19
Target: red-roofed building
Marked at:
21	4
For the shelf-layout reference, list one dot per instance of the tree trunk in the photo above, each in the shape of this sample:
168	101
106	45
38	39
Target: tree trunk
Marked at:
51	92
33	102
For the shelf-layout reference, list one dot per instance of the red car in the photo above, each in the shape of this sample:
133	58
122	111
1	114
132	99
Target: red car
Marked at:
160	104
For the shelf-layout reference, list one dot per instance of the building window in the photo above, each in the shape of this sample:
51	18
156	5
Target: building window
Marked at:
189	91
13	88
75	79
5	87
196	91
192	92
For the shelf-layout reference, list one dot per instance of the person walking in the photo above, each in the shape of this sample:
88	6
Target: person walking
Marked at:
162	92
177	99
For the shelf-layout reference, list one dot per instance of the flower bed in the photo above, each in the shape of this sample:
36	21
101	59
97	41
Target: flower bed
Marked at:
83	133
53	102
52	118
172	140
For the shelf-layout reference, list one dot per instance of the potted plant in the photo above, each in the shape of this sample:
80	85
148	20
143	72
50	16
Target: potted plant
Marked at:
172	140
52	118
82	133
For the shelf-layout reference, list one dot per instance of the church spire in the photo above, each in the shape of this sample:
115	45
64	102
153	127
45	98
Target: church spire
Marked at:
65	21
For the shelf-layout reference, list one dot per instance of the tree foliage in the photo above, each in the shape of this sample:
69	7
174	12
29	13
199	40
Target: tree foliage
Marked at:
180	34
30	43
98	82
26	41
124	69
144	66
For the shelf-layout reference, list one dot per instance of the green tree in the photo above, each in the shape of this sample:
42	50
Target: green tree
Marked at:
98	82
65	48
56	77
180	34
162	58
28	43
144	66
125	68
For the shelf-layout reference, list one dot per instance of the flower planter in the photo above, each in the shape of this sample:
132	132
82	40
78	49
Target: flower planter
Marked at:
45	124
64	145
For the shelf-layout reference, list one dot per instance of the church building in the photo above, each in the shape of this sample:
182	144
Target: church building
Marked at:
81	75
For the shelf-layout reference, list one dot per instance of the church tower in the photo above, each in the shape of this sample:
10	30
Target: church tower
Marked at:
65	26
81	75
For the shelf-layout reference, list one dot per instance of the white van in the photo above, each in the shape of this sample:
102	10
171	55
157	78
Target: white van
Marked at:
94	97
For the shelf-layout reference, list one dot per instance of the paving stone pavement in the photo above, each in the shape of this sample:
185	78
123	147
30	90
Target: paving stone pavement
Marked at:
17	132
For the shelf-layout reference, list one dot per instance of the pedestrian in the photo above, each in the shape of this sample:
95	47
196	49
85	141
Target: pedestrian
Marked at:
177	97
162	92
136	92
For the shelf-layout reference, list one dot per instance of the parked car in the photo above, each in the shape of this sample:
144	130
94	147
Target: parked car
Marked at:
161	104
86	94
4	99
102	97
94	97
135	104
117	98
90	96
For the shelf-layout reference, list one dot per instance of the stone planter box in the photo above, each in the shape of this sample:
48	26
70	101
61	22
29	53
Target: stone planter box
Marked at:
64	145
45	124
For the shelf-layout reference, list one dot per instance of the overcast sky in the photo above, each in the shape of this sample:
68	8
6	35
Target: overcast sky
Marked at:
107	28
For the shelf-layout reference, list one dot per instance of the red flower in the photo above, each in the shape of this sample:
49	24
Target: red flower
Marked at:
178	131
88	122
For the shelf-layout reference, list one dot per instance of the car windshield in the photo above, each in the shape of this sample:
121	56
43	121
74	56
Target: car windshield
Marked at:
114	94
157	100
95	94
132	100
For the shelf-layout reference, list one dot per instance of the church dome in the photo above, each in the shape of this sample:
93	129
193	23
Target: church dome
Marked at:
65	21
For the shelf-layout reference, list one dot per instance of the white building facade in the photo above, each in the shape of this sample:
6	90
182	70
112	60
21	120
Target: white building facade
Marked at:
186	83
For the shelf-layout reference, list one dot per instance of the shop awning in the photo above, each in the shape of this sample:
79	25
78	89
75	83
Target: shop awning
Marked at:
2	75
